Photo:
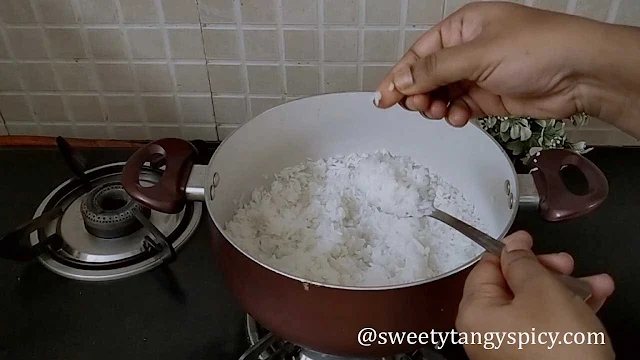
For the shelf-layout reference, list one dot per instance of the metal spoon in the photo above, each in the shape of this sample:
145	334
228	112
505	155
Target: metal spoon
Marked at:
577	286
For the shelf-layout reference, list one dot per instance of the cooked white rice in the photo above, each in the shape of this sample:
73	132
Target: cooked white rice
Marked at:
342	221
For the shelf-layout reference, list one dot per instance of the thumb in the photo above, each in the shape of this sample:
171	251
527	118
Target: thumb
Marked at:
444	67
520	266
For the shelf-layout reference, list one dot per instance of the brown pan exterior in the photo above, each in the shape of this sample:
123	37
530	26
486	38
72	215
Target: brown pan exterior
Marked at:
327	319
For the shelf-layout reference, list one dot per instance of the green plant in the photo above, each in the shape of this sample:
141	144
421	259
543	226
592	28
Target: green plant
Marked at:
524	136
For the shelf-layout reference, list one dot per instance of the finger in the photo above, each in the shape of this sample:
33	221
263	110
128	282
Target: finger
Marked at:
438	106
429	42
459	113
520	266
486	283
438	69
560	262
428	115
602	286
438	109
488	102
519	239
419	102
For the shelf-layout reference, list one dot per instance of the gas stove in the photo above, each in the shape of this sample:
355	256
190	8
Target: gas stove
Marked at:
88	228
266	346
181	309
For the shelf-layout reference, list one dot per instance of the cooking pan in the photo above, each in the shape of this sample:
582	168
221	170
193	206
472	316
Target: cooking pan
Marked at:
327	318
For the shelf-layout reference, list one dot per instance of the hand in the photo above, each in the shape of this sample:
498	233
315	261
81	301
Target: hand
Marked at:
517	293
507	59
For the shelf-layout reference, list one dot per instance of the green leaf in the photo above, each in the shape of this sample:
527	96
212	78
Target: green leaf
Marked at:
579	119
515	131
504	125
534	150
525	133
517	147
504	136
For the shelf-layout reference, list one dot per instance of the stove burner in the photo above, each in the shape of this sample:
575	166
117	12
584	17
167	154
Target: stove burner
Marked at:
108	212
101	228
89	228
265	346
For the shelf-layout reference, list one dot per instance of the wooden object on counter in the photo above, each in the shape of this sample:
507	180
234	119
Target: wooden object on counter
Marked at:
46	141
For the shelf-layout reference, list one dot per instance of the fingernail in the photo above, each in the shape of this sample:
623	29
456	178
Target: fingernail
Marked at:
377	96
510	246
391	87
409	104
424	115
403	78
565	255
457	118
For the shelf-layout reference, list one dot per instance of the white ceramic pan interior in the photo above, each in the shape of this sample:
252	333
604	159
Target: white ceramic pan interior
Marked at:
343	123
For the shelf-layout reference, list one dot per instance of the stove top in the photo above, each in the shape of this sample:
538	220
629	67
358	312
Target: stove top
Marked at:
265	346
88	228
184	311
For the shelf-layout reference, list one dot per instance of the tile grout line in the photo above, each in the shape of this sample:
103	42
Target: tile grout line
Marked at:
101	26
244	72
4	124
56	78
108	93
206	67
404	5
129	54
282	54
27	93
571	6
156	94
320	20
108	61
217	26
361	19
84	35
613	11
201	62
121	123
172	69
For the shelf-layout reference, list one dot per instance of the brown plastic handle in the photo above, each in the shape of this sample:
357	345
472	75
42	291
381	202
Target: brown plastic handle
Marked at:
556	201
168	195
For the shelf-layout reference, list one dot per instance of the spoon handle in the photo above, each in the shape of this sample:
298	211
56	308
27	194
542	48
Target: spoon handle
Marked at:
487	242
577	286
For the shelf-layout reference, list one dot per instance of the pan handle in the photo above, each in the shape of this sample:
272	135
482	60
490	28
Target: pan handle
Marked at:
557	202
168	195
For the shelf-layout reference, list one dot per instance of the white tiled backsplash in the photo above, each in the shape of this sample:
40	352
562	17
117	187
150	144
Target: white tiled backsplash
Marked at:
145	69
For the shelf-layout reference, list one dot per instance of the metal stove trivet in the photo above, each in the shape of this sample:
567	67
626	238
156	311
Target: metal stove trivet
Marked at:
90	229
265	346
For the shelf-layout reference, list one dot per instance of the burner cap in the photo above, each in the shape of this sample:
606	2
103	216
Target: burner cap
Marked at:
108	212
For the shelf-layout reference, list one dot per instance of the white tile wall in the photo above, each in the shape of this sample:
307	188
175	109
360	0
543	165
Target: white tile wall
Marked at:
142	69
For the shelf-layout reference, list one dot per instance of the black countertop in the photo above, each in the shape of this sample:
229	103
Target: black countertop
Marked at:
46	316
